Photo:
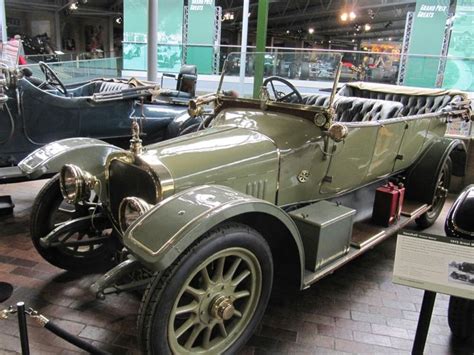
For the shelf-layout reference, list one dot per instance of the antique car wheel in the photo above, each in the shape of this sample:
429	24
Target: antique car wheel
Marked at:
461	317
444	178
213	296
49	211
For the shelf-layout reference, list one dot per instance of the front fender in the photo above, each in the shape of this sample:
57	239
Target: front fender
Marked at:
158	237
88	153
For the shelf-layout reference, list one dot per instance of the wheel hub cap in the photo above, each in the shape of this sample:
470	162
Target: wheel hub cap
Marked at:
222	308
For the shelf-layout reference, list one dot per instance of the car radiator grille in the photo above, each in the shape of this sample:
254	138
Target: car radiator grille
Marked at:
127	180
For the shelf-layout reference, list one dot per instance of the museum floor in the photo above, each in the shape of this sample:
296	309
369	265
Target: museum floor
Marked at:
355	310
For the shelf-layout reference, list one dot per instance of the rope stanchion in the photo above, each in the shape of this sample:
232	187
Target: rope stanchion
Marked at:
47	324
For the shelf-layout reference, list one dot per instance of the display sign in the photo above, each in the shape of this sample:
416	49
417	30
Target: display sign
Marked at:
459	72
201	30
135	34
435	263
170	34
427	35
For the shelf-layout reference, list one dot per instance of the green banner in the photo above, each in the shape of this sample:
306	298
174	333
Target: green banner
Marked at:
427	36
170	34
201	30
459	73
135	34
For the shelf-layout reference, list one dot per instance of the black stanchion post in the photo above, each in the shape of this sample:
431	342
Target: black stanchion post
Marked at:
25	347
423	322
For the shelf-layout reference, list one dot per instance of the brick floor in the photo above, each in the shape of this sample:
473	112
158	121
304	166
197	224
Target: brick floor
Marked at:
356	310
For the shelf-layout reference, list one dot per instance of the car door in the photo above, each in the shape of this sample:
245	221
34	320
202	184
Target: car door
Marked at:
46	117
350	159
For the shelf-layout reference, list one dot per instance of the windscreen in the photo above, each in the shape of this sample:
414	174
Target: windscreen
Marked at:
307	71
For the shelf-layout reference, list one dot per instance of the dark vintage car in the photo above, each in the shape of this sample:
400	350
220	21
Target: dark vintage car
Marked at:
460	224
36	111
272	192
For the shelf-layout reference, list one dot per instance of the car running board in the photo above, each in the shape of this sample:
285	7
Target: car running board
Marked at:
366	235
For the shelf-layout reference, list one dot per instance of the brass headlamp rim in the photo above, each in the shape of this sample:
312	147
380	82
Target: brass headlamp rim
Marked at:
140	206
84	183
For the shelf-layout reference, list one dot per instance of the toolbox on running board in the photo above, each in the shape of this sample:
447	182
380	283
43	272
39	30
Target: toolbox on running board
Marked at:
326	230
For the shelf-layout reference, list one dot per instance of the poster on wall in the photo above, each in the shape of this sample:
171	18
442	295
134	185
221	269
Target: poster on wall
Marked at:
459	72
170	35
200	38
135	34
421	67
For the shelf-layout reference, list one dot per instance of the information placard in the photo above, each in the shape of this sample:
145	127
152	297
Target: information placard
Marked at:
435	263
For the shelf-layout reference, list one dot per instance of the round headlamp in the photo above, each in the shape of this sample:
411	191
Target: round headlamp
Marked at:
76	184
131	208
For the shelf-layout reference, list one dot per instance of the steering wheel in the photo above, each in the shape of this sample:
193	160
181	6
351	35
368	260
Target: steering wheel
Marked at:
281	96
52	78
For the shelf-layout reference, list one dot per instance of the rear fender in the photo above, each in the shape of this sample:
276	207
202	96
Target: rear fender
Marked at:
88	153
423	175
162	234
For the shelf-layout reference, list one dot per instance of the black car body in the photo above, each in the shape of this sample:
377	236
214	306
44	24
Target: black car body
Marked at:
460	224
460	221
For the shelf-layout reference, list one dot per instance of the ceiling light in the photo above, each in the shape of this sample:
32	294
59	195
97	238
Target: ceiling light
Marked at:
287	32
367	27
389	38
311	30
73	6
380	39
352	15
228	16
353	40
344	16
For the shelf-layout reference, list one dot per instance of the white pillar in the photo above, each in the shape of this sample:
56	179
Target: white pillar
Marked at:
152	40
243	54
3	20
111	36
57	30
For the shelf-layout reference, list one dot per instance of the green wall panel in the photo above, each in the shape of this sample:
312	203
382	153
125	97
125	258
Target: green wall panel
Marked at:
170	34
201	29
426	39
459	73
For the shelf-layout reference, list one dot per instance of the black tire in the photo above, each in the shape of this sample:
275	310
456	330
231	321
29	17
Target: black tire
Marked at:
293	71
41	223
428	218
461	317
164	290
304	71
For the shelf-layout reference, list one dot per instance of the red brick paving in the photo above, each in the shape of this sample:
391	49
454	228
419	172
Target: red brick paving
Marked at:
356	310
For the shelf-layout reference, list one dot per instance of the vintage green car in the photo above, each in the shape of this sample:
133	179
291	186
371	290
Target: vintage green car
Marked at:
274	191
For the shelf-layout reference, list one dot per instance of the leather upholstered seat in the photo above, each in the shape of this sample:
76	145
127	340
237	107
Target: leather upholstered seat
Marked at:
355	109
415	101
316	100
106	86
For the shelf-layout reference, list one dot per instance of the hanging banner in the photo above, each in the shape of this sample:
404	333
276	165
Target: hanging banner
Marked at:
135	27
201	31
427	36
170	34
459	72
